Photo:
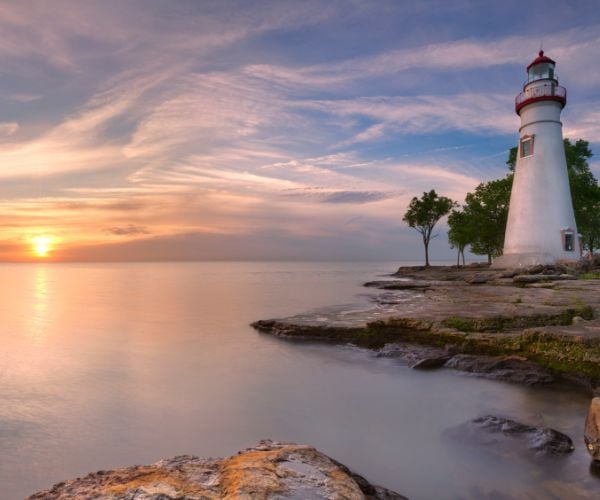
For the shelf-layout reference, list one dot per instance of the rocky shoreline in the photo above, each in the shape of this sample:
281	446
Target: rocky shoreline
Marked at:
535	326
270	470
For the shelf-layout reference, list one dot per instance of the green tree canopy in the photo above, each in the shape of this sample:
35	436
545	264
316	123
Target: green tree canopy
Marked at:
424	213
460	233
486	211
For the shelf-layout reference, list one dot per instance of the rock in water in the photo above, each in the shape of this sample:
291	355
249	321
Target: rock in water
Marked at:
505	368
591	434
417	356
491	431
270	470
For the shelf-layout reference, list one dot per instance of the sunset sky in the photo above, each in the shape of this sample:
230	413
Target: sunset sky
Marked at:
172	129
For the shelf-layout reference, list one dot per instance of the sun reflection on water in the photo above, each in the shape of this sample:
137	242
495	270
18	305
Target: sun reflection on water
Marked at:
39	306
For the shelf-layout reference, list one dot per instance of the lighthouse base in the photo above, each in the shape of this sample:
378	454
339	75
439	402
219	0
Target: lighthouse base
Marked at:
522	260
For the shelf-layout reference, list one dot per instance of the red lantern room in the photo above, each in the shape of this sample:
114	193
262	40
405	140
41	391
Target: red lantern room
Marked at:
541	84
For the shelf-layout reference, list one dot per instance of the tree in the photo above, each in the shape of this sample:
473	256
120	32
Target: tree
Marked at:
586	203
585	191
486	213
424	213
460	233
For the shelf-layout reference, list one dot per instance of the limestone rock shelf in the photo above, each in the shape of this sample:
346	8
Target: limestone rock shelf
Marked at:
270	470
549	318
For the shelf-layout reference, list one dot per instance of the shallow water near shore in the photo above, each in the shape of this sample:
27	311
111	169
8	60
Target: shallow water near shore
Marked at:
108	365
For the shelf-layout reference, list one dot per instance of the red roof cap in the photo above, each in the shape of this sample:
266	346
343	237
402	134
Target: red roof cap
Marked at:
541	58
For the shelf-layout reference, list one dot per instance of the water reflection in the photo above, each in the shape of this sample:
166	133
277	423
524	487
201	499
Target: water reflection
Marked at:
38	318
595	469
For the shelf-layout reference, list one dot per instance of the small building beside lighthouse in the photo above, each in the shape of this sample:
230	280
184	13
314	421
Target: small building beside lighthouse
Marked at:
541	225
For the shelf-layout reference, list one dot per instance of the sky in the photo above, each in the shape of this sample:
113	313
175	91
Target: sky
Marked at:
265	130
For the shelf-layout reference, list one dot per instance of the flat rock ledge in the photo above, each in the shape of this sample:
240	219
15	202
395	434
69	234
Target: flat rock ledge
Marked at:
546	317
271	470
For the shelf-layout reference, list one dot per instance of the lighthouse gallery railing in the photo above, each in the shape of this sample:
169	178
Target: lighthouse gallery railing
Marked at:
539	92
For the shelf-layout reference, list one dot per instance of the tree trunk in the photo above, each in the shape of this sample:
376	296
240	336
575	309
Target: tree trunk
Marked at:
458	258
463	256
489	258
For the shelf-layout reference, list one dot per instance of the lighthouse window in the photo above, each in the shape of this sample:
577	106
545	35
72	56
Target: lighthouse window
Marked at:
526	148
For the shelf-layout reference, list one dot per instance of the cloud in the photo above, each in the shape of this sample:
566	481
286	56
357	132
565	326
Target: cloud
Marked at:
573	48
208	111
79	142
475	113
355	197
7	129
130	230
22	97
583	122
343	197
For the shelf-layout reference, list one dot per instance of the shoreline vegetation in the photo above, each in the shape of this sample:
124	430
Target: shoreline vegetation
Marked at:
535	326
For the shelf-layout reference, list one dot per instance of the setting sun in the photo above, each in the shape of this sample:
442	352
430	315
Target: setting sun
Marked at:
41	245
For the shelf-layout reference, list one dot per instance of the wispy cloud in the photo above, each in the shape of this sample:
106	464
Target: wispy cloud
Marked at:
129	230
475	113
584	122
7	129
25	97
574	48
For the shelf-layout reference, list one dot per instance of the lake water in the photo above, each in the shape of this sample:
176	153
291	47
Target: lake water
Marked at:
107	365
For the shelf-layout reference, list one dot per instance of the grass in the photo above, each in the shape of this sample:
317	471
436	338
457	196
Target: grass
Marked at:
590	276
505	323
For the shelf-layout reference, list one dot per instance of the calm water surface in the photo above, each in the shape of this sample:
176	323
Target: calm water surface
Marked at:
106	365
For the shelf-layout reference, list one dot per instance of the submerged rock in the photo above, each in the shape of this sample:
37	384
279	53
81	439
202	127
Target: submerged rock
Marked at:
431	363
506	368
495	431
591	434
270	470
417	356
398	285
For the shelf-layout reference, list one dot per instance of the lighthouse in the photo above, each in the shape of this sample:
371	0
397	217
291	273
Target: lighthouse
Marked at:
541	223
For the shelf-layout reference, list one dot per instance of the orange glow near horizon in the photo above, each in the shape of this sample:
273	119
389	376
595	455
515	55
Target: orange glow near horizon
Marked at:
42	245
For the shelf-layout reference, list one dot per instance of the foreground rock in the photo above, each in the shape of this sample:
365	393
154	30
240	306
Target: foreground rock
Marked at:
501	434
270	470
592	430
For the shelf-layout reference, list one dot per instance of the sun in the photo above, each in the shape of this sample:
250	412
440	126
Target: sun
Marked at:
41	245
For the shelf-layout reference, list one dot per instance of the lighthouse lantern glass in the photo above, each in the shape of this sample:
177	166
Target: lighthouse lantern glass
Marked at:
541	71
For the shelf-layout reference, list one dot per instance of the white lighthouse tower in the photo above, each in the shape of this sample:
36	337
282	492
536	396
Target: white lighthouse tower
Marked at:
541	224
